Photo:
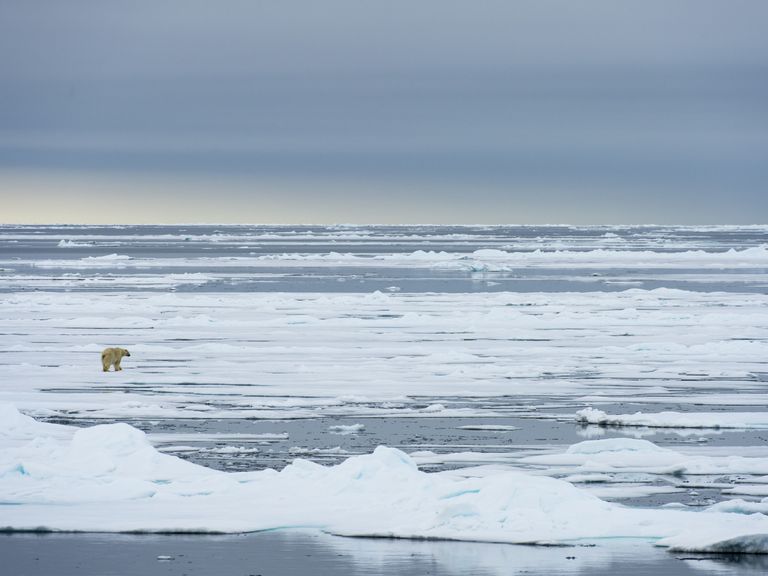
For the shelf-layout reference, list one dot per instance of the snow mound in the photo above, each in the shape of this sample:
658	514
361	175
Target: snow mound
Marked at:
13	422
740	506
17	428
109	478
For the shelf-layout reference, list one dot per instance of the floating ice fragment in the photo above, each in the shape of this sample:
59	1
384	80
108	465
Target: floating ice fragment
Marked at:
106	257
433	408
676	419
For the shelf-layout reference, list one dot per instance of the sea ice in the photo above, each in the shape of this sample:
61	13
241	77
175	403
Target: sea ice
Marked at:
635	455
196	355
110	478
676	419
483	260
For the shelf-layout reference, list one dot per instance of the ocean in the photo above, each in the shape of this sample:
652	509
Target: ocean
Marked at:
475	350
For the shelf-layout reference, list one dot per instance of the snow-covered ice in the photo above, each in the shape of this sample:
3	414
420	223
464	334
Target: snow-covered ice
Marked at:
309	353
483	354
636	455
110	478
489	260
757	420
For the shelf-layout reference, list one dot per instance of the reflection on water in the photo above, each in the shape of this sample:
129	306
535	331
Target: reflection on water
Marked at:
310	552
205	258
460	558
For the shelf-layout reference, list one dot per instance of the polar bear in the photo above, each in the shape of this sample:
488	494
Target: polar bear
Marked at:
113	356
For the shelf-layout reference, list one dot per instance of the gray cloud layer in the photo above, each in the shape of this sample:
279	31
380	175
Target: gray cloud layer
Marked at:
576	106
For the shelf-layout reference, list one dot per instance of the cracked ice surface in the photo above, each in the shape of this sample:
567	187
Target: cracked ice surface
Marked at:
267	355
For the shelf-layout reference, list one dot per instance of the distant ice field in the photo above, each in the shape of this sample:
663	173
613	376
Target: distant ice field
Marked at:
476	350
364	259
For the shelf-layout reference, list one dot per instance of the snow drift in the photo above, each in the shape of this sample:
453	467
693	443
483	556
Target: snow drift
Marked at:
109	478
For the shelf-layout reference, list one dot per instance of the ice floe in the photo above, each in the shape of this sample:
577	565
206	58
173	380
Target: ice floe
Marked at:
110	478
205	355
676	419
486	259
226	353
635	455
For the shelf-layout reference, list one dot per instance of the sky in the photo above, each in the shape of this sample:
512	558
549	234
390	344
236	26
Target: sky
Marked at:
354	111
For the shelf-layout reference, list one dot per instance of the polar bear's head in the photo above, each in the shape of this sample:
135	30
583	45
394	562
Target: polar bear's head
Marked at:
124	352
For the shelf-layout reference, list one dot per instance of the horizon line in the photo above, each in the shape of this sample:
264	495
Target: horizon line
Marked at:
372	224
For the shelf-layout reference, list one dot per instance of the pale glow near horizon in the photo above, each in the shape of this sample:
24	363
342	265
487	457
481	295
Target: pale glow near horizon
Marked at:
126	198
85	198
395	112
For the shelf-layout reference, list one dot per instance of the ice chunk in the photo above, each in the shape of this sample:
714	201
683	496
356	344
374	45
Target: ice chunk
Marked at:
717	540
676	419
